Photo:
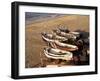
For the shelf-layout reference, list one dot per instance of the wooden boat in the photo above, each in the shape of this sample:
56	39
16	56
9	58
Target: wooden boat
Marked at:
51	38
47	37
67	31
57	54
64	29
60	38
63	46
71	32
77	34
64	34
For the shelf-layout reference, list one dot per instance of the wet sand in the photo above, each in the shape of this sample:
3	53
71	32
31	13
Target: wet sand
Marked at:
33	42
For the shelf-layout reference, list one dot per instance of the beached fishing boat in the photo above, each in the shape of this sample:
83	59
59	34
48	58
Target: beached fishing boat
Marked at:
77	34
51	38
63	46
64	34
47	37
60	38
64	29
57	54
67	31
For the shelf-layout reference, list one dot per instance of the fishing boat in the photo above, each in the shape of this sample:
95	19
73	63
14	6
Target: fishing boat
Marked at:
51	38
64	34
47	37
57	54
64	29
77	34
60	38
63	46
67	31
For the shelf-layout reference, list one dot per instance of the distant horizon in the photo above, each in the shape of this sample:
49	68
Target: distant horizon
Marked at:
37	17
31	17
34	15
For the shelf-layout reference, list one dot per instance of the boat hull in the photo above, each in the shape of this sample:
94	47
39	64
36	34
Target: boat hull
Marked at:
64	56
66	47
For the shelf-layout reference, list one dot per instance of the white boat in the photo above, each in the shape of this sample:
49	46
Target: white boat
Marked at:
60	38
66	30
64	34
77	34
51	38
48	37
57	54
63	46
